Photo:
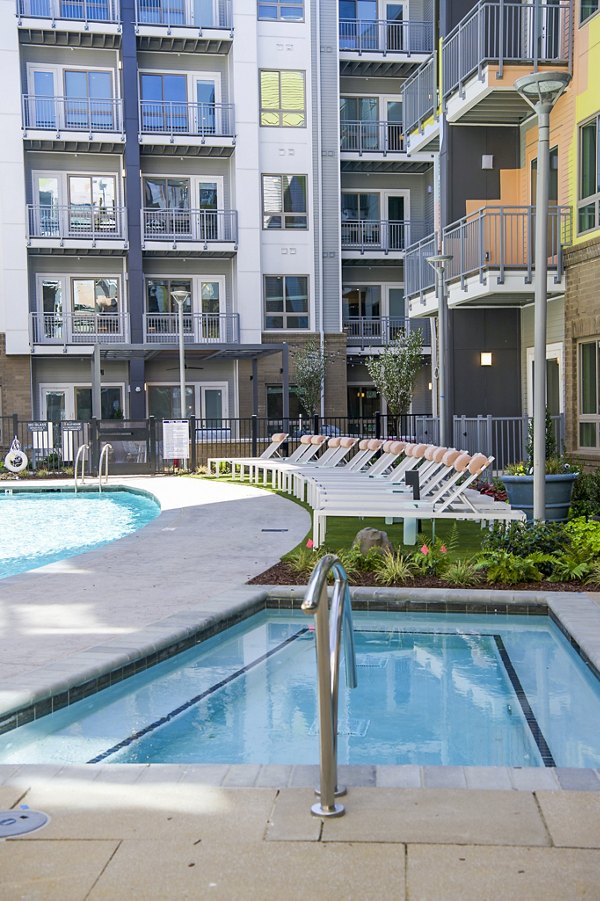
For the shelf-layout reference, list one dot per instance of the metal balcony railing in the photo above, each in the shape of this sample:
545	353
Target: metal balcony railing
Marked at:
83	221
383	36
84	11
174	13
419	96
363	332
204	226
527	33
374	234
82	327
72	114
419	277
503	238
168	117
371	137
198	328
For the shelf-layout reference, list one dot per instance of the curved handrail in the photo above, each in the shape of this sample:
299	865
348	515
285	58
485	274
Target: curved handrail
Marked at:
329	632
103	459
81	453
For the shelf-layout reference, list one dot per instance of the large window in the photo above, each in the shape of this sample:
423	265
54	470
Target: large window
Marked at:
588	390
282	99
95	295
589	176
284	201
361	302
281	9
159	294
588	8
275	403
286	302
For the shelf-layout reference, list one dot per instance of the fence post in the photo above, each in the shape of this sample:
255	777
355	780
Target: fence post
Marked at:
316	424
490	438
15	422
254	434
95	442
378	424
152	443
524	436
192	436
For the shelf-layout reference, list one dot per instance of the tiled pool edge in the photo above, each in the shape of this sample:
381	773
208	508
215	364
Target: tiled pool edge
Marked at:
89	671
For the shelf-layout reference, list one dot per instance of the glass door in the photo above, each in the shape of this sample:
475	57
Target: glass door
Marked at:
164	103
166	207
92	204
54	404
89	100
397	312
396	224
46	206
206	98
52	309
394	13
208	205
394	124
212	407
210	299
43	114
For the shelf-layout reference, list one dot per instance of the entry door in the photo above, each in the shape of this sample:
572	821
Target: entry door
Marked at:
206	98
42	112
208	193
397	311
55	404
394	124
396	225
394	13
89	100
46	209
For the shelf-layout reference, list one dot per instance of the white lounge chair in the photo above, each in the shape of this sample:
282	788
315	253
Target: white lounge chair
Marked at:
276	441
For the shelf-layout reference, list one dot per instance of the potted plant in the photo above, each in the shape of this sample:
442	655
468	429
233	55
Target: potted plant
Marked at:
560	477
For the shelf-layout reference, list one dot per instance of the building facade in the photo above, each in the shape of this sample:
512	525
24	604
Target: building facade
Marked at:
240	160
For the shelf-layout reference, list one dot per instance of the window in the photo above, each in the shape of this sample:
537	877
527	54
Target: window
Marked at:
275	403
589	176
286	302
281	9
284	201
588	8
95	295
159	295
111	403
589	409
163	103
88	100
282	99
361	302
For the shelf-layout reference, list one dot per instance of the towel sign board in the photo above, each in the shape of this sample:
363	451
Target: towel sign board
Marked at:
176	439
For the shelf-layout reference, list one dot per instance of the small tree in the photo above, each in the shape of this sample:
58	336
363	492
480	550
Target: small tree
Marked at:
310	361
395	370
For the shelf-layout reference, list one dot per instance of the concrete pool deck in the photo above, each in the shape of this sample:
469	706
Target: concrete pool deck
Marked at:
246	832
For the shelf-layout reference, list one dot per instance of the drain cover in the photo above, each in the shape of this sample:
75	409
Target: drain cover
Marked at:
20	822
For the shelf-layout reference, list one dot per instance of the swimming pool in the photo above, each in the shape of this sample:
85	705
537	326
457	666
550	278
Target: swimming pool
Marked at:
433	689
40	527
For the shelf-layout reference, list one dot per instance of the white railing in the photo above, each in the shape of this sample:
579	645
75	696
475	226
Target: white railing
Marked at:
374	234
72	114
527	33
383	36
78	221
172	118
419	96
84	11
185	13
364	332
198	328
204	226
79	328
371	137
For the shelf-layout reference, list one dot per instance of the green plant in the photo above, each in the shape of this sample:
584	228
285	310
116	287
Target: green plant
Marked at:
351	559
432	557
586	494
594	574
527	538
508	569
584	535
41	472
551	449
310	364
52	461
393	569
302	561
462	572
395	370
570	568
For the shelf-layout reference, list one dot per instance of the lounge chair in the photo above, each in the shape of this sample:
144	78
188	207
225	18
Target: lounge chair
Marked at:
276	441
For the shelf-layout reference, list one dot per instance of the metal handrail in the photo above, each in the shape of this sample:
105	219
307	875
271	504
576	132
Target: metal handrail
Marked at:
82	452
420	96
103	459
362	136
174	117
87	114
190	225
381	234
83	221
88	12
329	633
386	36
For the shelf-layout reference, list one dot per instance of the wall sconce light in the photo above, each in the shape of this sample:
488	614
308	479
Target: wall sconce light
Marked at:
485	358
430	386
487	161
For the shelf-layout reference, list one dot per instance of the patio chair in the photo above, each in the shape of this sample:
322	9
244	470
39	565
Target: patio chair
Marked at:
276	441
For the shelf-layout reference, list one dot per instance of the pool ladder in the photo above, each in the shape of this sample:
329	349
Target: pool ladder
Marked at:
106	448
331	628
81	455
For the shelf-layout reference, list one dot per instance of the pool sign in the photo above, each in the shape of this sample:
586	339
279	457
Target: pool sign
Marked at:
176	439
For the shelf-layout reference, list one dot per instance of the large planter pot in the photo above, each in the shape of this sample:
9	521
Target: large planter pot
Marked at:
559	489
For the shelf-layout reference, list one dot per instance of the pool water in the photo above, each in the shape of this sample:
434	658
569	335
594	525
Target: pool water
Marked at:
450	690
41	527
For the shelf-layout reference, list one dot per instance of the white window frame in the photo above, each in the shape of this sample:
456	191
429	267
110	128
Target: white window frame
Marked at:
554	351
281	111
195	182
199	391
191	79
593	418
309	304
69	389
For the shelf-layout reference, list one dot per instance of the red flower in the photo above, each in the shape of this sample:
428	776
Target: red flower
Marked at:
443	549
310	543
424	549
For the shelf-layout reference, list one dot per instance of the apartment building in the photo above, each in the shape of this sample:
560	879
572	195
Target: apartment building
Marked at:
463	104
240	160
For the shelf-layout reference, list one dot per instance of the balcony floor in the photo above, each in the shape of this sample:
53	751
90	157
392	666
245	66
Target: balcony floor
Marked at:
67	33
375	64
184	39
186	145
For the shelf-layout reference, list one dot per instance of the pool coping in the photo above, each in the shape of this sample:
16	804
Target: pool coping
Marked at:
91	670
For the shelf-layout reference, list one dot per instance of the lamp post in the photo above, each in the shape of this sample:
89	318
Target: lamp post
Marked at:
541	90
181	296
438	264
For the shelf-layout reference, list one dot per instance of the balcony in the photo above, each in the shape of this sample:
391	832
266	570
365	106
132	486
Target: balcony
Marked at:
70	23
495	44
420	109
492	259
65	123
77	229
198	328
365	334
212	233
375	238
201	129
383	47
184	26
63	329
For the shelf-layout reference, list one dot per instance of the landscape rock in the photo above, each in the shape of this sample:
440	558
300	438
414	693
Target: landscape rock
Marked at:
369	538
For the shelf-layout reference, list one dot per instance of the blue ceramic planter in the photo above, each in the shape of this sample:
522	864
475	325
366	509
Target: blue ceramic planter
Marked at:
559	489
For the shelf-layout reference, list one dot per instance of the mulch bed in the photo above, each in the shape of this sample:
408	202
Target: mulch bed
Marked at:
282	574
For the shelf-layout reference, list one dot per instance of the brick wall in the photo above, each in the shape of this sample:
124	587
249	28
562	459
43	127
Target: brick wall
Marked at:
269	373
15	383
582	320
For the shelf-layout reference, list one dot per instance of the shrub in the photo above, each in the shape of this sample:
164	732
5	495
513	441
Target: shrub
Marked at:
433	557
570	568
586	494
462	572
502	566
584	535
527	538
303	561
394	568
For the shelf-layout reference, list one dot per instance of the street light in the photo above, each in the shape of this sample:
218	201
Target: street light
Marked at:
438	264
181	296
541	90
